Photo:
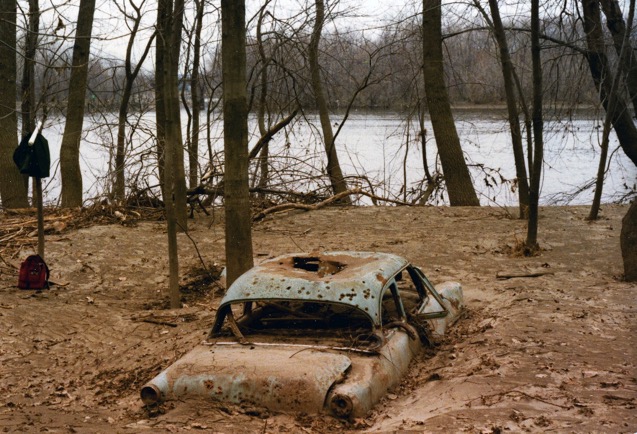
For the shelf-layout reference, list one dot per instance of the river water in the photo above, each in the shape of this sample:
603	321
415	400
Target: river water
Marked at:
374	145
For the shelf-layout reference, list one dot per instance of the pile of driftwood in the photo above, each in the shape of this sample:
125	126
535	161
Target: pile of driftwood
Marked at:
19	228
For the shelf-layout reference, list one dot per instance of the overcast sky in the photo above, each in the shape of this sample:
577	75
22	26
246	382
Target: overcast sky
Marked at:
111	33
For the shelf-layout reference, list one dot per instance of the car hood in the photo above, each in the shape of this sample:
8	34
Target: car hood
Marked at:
283	378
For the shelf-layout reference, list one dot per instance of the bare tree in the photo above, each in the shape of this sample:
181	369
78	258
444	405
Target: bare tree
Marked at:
131	74
193	148
456	173
624	52
70	148
13	191
333	166
531	243
508	74
235	130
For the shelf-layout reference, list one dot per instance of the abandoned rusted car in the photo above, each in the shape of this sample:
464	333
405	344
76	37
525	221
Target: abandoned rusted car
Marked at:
329	332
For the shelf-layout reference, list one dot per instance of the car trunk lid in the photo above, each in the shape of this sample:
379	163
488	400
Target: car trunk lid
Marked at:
283	378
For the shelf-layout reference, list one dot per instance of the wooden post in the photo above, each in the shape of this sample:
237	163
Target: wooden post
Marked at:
38	192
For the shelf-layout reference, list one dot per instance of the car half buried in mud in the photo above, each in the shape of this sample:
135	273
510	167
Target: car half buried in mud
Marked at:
319	333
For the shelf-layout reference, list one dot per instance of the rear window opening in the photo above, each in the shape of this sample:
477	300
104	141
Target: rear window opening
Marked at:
317	265
303	322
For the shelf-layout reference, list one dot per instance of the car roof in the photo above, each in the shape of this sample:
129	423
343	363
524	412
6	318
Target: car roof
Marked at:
352	278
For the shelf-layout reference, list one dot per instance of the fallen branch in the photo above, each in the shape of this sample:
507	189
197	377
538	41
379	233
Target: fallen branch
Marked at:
155	321
219	191
304	207
512	275
268	136
375	198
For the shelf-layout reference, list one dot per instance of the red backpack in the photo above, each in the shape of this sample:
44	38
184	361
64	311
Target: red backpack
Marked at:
34	273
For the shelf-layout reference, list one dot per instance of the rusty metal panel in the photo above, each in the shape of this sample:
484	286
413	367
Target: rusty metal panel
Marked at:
278	378
371	377
353	278
452	298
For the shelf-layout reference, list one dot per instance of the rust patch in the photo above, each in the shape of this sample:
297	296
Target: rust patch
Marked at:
381	278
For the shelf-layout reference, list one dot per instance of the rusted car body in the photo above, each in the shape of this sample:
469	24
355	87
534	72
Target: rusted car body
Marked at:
329	332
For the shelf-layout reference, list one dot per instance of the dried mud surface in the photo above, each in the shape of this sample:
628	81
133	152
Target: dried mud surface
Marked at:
555	352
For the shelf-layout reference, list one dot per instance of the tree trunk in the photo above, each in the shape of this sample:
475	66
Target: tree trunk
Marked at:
193	151
166	100
164	10
119	190
538	130
333	166
514	120
235	133
261	109
170	17
629	243
173	132
456	173
13	192
598	64
601	170
28	72
617	26
70	148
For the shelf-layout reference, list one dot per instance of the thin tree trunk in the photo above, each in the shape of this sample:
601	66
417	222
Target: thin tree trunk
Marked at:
168	98
170	17
174	133
235	131
119	190
171	226
193	151
261	109
164	9
514	120
333	166
538	130
70	148
598	63
456	173
617	26
13	192
601	170
423	140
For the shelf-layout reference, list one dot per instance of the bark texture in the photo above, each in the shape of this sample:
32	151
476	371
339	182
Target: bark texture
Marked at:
235	132
13	192
629	243
456	173
70	148
28	72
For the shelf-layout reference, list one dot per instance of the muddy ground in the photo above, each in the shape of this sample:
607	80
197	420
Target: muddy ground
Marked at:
550	353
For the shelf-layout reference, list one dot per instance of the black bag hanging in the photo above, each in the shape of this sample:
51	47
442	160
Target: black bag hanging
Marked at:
33	160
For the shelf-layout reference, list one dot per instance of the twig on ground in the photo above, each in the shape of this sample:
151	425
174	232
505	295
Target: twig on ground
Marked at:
512	275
